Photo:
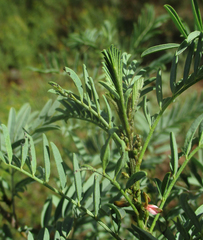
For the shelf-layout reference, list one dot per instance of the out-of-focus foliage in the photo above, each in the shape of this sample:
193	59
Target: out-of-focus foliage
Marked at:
30	27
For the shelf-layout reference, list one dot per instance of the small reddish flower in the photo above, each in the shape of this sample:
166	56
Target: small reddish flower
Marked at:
153	209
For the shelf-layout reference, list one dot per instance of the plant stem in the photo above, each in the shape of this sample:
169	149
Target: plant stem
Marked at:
164	198
116	184
166	104
124	119
68	198
139	161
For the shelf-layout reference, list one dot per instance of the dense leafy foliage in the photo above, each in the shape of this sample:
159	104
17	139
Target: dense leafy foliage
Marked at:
107	189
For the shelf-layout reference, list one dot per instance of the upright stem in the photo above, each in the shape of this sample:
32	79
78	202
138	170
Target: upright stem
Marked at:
166	104
139	161
124	117
164	198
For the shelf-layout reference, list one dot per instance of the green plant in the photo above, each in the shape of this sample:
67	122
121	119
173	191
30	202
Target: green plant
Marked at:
110	183
85	45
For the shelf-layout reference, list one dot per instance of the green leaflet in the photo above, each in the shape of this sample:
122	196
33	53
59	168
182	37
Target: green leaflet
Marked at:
160	47
22	185
198	54
169	234
46	212
77	177
195	166
201	133
108	111
43	234
46	152
2	157
111	90
122	160
181	229
159	94
105	150
188	62
174	154
87	81
57	236
7	143
59	165
30	236
96	195
173	73
174	16
67	205
138	85
67	227
189	212
95	95
146	112
33	159
24	151
43	114
199	210
147	90
165	183
190	134
120	213
12	123
79	145
76	80
134	178
142	233
88	189
21	121
197	15
127	95
183	46
46	128
198	164
193	35
105	154
59	211
158	185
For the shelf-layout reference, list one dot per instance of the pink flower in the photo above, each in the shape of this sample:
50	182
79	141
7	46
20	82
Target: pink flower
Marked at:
153	209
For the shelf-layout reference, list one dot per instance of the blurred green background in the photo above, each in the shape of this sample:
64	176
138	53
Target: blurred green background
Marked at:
32	28
33	33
